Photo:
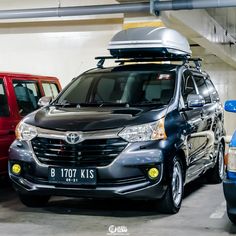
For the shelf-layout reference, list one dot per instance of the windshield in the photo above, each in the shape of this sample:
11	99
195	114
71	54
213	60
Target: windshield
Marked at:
116	88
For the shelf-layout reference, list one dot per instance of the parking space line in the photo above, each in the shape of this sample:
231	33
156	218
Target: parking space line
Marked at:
219	212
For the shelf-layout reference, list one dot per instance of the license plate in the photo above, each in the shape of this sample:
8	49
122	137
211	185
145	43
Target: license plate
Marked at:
83	176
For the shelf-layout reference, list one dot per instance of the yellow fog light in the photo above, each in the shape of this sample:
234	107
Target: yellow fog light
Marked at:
153	173
16	169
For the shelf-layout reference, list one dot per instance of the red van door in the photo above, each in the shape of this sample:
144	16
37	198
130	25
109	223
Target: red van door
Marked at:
7	133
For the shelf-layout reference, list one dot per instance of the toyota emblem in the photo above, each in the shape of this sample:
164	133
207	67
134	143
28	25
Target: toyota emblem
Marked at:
73	138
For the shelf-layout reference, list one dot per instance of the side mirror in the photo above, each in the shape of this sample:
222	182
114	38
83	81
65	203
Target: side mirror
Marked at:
44	101
195	100
230	105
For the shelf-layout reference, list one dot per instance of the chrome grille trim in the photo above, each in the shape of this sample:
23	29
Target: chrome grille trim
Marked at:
88	135
95	152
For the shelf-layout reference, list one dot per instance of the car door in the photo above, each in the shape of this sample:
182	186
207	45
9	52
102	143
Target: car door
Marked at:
208	117
217	126
7	127
193	128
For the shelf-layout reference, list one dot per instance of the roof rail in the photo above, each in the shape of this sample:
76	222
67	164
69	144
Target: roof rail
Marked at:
102	60
184	60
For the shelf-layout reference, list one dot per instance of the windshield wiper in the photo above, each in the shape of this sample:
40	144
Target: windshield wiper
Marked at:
148	103
91	104
123	104
66	104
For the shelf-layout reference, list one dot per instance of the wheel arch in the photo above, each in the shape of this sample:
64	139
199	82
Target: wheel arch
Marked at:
181	154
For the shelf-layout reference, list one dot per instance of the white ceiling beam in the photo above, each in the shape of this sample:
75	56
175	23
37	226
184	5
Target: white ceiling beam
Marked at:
201	28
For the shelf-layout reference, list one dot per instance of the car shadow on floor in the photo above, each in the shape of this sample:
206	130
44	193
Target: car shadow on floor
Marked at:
7	191
194	186
113	207
104	207
230	228
96	207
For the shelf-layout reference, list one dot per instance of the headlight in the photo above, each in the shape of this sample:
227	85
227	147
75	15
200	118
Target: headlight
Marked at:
231	163
145	132
25	132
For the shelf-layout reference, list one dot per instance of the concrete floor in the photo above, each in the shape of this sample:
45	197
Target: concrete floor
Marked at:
202	213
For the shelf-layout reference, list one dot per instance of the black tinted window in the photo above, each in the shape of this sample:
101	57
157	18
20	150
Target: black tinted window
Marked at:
4	109
188	86
212	90
202	88
27	95
121	87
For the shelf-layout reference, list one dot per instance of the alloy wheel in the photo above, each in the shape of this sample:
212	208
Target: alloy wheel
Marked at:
177	184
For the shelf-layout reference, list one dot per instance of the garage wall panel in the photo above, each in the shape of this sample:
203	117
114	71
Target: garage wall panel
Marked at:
62	51
224	78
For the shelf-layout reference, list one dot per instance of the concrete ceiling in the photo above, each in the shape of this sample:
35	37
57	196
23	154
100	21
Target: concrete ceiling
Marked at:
212	31
226	17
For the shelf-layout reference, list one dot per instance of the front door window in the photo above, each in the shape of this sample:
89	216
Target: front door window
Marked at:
27	95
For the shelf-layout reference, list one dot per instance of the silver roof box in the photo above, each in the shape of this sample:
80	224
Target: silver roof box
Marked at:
149	42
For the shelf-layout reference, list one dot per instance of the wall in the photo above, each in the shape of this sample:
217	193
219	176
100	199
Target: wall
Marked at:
62	50
62	47
224	78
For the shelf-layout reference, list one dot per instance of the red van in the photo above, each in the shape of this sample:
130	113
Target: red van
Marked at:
19	95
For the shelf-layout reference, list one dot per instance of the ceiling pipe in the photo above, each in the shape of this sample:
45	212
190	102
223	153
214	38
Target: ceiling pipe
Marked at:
75	11
155	6
191	4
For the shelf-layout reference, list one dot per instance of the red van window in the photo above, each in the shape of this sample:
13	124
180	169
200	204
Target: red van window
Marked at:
27	95
4	109
50	89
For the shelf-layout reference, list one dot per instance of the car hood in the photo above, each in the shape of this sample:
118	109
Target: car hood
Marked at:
92	118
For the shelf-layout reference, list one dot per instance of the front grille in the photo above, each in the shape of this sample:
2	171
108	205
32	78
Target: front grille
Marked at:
99	152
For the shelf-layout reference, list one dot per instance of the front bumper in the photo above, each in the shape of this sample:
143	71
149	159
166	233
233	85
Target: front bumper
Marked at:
136	191
125	177
229	187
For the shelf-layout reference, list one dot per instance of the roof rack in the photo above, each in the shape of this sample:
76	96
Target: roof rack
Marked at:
102	60
184	60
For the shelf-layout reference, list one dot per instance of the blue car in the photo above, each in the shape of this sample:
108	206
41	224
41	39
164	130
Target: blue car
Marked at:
229	183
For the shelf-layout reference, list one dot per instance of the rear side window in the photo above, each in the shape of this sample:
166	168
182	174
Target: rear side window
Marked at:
202	88
27	95
212	90
50	89
4	109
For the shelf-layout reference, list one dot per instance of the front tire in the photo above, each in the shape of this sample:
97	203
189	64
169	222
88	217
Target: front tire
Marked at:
232	217
34	200
171	202
216	174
